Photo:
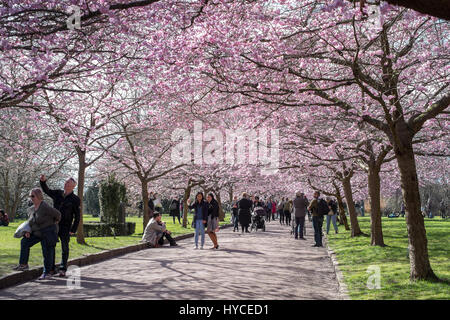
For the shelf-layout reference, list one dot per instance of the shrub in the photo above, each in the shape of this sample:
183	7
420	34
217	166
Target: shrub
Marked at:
91	201
100	229
111	194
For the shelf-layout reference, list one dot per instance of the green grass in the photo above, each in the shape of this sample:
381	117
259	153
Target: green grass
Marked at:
355	255
10	246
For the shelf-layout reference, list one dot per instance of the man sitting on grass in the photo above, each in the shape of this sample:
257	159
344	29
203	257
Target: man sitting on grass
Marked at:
155	231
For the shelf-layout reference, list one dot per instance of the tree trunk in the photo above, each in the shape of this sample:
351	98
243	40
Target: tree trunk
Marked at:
342	216
144	193
376	231
418	250
81	178
346	183
221	212
187	194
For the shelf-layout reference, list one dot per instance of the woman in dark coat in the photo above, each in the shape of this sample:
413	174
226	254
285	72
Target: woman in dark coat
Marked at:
245	216
213	219
175	209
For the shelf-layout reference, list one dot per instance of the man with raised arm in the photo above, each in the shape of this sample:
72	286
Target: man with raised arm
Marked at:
69	205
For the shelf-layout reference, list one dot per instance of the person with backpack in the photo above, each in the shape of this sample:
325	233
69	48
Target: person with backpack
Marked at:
319	209
287	211
175	209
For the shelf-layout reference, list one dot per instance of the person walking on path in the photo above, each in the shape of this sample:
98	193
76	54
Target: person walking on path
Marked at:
332	214
300	208
66	202
234	214
317	217
4	220
44	229
274	209
200	207
287	211
212	224
175	209
156	231
280	208
245	206
268	208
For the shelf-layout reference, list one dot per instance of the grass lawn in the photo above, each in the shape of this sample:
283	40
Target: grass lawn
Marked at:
10	246
355	255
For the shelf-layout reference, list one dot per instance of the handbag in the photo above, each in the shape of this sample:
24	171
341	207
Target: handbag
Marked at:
22	229
330	213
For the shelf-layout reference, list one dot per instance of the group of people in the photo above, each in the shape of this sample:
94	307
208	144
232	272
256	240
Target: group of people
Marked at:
283	210
206	215
175	206
431	208
46	224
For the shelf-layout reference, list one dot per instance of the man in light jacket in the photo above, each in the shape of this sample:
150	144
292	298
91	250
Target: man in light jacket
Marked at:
300	209
155	231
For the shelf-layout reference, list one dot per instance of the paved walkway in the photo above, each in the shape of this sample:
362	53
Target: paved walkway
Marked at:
262	265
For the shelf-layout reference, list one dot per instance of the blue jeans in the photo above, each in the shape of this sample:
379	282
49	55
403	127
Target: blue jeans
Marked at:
332	219
47	251
281	214
199	228
299	226
317	224
235	222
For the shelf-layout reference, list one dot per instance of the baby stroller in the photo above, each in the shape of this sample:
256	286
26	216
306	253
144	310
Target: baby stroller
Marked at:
258	221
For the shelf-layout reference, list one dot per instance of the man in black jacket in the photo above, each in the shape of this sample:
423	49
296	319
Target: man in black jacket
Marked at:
69	205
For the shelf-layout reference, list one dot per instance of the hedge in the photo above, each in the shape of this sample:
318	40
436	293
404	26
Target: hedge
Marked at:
100	229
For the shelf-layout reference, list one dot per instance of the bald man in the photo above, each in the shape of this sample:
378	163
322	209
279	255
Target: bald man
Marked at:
69	206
